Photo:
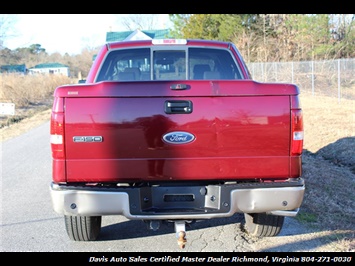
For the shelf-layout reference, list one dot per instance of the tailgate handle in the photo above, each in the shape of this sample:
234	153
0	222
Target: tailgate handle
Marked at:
178	107
179	87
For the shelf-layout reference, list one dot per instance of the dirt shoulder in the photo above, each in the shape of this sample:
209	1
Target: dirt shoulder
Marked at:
25	125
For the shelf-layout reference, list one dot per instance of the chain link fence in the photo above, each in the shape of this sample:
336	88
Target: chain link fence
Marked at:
334	78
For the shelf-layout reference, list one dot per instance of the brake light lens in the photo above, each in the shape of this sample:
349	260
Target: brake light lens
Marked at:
169	41
297	132
57	130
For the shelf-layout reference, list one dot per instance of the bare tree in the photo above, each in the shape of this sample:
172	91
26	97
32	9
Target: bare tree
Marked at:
6	30
139	21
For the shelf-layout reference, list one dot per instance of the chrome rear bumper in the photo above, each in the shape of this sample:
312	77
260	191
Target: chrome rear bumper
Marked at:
178	202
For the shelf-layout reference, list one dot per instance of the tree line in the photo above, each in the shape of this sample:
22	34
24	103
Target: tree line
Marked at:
34	54
274	37
259	38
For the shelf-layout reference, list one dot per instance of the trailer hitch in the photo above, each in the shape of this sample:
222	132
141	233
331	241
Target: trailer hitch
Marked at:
180	233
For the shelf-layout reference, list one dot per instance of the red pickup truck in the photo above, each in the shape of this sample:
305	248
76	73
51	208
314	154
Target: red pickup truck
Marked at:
175	130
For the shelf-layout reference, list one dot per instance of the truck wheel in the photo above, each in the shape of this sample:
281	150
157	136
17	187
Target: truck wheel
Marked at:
83	228
262	224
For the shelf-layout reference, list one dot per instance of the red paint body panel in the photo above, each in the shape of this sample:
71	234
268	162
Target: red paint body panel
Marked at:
242	130
58	171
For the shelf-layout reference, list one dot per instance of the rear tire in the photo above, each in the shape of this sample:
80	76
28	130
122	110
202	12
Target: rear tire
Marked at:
83	228
262	224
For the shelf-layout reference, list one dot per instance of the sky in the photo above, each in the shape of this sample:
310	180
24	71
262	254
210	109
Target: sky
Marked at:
68	33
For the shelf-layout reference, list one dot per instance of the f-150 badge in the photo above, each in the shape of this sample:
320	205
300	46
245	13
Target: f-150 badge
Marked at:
87	139
178	137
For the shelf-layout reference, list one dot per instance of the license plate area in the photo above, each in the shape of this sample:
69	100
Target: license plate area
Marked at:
174	199
178	198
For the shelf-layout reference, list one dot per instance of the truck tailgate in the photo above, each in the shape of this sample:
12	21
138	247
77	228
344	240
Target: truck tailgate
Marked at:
230	130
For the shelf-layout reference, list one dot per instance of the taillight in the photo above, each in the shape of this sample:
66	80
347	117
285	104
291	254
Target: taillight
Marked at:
57	130
297	132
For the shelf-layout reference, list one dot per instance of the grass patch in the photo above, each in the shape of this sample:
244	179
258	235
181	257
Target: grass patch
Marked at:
306	217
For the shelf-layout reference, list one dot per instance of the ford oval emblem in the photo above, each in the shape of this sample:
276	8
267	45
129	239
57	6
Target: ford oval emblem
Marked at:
178	137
